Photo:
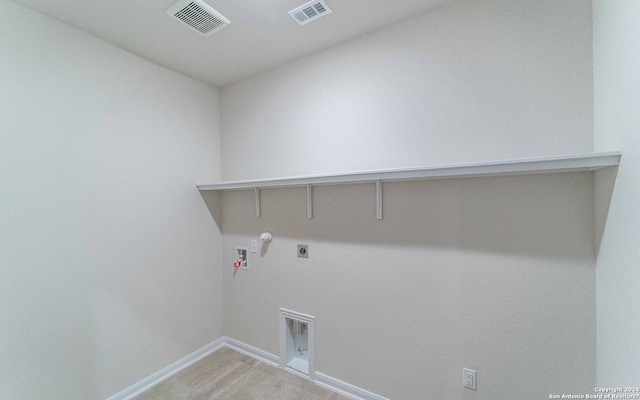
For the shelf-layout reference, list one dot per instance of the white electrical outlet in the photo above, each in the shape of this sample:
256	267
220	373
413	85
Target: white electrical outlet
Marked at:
469	378
254	246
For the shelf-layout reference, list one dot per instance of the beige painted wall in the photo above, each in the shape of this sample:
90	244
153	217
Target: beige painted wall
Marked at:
109	259
472	81
493	274
616	64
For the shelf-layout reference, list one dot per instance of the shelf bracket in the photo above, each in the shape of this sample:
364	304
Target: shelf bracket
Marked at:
309	201
379	200
257	202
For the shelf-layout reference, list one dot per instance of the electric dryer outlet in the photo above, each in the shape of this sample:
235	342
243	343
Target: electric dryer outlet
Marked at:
303	251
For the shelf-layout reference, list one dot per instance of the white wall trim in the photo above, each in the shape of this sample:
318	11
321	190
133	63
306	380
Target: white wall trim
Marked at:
168	371
321	379
252	352
345	389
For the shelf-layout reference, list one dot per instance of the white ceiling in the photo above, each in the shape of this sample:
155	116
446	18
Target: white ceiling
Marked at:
261	35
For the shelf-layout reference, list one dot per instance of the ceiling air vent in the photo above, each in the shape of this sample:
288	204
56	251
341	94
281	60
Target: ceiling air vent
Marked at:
198	15
310	12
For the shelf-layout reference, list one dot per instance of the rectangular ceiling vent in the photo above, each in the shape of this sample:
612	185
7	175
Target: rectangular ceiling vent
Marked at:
310	11
198	15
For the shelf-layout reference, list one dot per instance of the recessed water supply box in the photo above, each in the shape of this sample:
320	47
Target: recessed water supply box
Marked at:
241	261
297	343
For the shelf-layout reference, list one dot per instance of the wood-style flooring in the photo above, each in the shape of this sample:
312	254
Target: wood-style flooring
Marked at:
229	375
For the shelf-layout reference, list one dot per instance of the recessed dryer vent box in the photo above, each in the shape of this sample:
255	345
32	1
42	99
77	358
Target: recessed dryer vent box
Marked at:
297	343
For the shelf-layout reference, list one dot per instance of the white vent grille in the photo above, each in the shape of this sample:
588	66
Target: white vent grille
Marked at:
198	16
310	11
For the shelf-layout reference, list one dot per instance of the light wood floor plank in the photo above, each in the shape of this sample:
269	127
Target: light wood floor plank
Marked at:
229	375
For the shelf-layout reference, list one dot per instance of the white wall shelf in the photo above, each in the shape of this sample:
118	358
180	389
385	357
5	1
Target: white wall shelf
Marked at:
527	166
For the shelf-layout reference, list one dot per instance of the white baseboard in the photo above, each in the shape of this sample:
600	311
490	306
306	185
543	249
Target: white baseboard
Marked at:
252	352
168	371
321	379
345	389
